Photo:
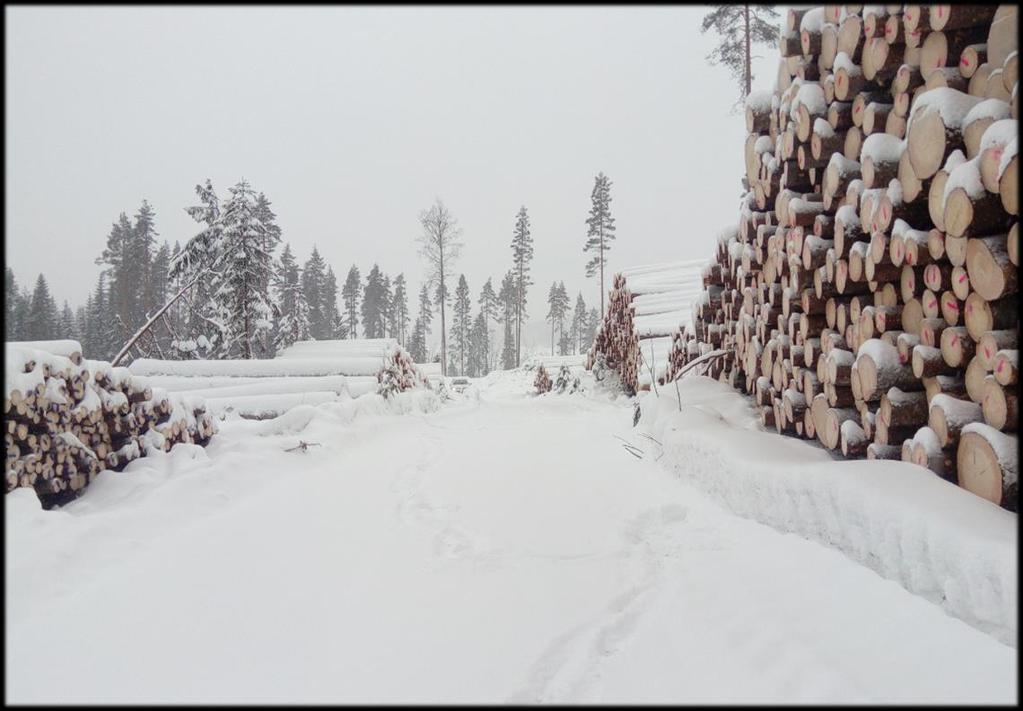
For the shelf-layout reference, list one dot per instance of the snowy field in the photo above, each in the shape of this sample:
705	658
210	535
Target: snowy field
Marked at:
506	548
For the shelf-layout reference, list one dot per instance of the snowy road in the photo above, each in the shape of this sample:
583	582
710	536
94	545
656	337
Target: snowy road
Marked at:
507	549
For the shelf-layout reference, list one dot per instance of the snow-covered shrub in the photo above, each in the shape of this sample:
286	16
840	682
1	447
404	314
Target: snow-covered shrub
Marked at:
566	381
542	381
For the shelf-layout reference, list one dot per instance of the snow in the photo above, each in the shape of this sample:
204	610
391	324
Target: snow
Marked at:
847	216
812	21
822	128
843	165
504	547
884	354
987	109
881	148
999	134
763	145
953	105
362	347
844	61
759	101
956	411
259	368
894	193
265	405
880	514
955	159
966	175
810	95
64	347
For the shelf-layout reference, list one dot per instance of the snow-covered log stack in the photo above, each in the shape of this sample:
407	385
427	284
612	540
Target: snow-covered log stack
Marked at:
647	307
868	295
308	372
68	418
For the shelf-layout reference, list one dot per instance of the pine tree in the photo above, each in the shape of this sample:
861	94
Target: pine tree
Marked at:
522	255
400	309
242	297
350	295
461	323
293	324
740	26
440	246
600	230
331	316
313	279
579	324
43	321
372	306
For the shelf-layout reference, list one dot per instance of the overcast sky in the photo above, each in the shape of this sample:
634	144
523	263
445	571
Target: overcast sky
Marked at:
352	120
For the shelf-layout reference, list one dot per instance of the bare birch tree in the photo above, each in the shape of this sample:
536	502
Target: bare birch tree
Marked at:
440	245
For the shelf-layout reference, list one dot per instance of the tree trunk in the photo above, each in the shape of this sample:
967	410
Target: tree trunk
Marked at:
747	75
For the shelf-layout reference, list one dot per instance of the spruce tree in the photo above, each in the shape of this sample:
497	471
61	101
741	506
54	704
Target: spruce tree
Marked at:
507	296
400	309
417	342
313	279
426	316
20	314
293	324
243	302
522	255
141	248
159	274
118	259
490	308
388	325
198	326
350	295
66	323
372	307
579	324
12	328
600	230
331	316
43	321
592	324
479	347
461	323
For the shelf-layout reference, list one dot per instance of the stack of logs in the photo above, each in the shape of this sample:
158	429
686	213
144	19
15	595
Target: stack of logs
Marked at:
868	296
68	418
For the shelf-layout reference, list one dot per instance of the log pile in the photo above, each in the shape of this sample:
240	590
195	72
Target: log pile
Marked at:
648	308
307	372
867	298
68	418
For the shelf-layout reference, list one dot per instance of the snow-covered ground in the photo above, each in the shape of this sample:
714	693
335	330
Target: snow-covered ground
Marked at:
498	547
